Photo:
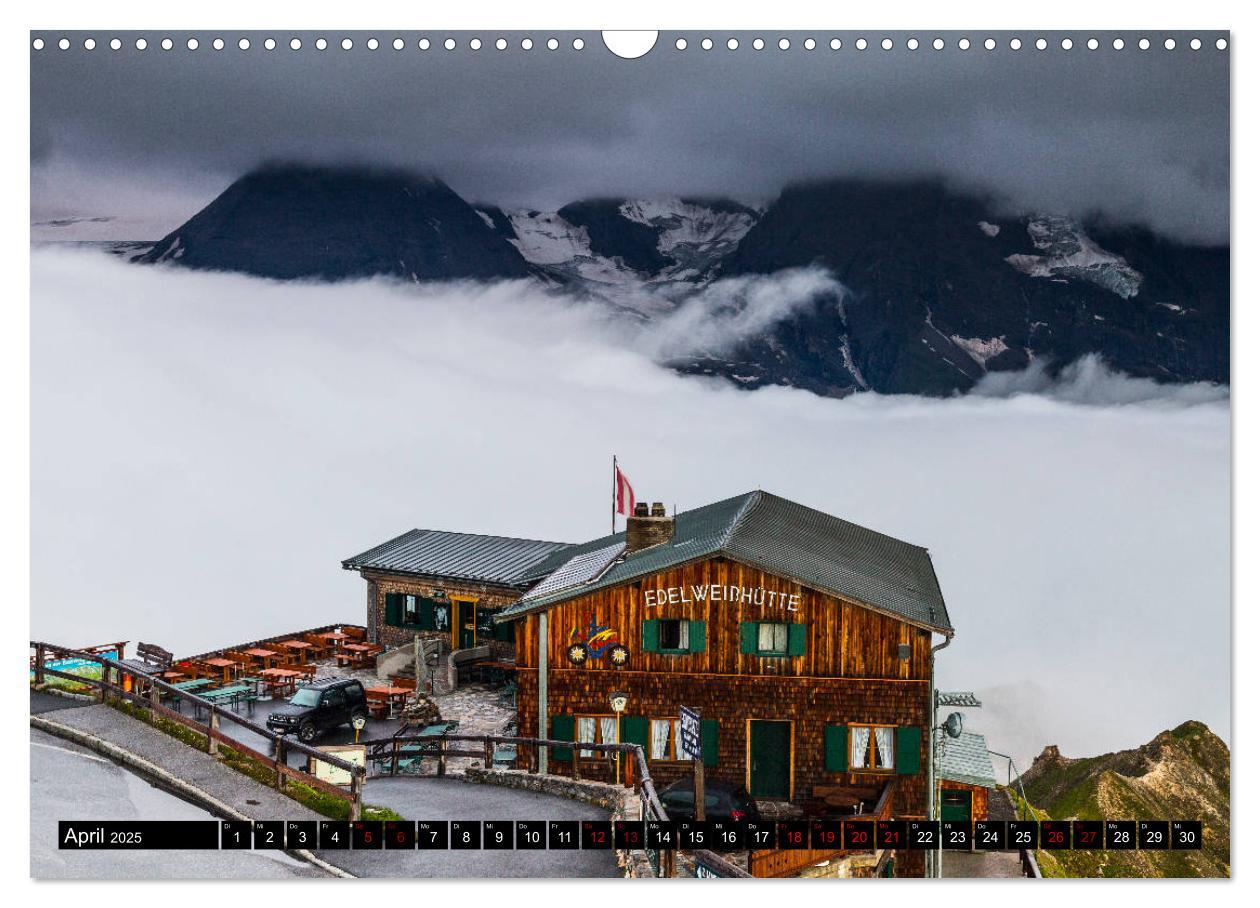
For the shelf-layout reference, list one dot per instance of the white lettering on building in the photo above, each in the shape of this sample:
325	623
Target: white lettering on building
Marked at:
743	595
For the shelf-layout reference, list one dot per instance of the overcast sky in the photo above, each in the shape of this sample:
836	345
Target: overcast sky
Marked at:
150	137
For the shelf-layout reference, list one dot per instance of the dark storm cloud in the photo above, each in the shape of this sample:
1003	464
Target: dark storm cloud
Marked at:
1136	135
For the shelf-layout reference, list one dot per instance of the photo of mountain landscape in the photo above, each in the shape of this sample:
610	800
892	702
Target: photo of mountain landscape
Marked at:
882	329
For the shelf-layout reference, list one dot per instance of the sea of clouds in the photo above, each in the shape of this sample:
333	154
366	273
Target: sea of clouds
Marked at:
207	448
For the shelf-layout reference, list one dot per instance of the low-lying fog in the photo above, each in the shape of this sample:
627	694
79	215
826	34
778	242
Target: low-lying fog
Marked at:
207	448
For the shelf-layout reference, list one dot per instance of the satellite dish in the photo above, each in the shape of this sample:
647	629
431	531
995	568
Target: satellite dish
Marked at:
954	725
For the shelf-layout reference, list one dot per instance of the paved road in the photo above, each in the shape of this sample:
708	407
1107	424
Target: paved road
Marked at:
451	799
981	864
70	782
413	798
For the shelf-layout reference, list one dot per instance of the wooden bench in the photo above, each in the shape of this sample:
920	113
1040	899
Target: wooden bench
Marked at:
152	653
320	648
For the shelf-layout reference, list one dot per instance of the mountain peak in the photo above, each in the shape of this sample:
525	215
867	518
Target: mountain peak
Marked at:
1181	774
309	221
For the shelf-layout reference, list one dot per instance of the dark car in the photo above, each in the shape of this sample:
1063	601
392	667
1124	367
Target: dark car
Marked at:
316	708
722	801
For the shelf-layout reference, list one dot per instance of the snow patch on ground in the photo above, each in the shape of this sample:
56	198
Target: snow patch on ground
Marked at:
979	349
693	236
1068	254
989	230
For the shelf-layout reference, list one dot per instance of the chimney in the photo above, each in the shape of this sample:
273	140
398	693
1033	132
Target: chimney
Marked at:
648	528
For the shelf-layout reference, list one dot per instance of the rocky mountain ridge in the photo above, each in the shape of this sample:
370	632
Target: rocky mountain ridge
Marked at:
939	290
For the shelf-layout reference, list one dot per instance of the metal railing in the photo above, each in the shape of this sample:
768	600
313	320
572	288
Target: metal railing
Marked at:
1027	860
145	690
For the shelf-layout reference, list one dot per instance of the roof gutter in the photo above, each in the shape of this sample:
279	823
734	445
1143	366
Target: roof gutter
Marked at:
933	871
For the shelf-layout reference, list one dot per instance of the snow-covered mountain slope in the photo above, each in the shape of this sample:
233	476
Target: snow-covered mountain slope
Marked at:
635	252
1067	252
937	289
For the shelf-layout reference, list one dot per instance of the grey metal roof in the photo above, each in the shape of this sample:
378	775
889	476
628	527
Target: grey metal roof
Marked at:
462	556
580	569
965	759
782	537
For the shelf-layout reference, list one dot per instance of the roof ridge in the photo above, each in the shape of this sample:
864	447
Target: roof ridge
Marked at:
753	498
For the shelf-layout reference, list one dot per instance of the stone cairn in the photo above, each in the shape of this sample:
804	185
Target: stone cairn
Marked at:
419	711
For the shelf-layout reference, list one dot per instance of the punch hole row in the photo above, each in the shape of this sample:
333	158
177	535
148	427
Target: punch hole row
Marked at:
731	44
319	44
963	43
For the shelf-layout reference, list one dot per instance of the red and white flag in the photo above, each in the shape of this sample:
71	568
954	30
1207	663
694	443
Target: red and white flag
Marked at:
623	493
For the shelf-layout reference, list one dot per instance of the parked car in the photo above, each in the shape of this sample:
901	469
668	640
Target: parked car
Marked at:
315	708
722	801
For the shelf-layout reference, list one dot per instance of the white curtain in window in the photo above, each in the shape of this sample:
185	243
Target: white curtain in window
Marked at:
608	730
772	638
884	748
859	745
586	733
684	634
678	751
659	749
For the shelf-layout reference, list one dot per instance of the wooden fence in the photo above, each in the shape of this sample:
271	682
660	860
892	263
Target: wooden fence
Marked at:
145	691
392	751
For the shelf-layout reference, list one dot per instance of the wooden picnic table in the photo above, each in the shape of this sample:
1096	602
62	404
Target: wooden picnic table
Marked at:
265	656
356	647
300	647
392	697
193	684
389	691
233	695
226	666
280	679
334	636
255	683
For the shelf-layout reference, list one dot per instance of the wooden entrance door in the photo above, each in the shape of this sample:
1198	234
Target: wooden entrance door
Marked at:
769	759
955	804
466	625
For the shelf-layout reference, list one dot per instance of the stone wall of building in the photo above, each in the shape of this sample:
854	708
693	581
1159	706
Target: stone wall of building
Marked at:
380	583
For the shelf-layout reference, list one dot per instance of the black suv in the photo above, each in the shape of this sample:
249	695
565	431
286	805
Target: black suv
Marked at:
722	801
315	708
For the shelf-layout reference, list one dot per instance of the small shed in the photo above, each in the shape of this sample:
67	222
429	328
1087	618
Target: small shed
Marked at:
966	774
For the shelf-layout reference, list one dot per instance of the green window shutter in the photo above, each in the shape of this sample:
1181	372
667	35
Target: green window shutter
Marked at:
709	741
561	730
425	614
651	634
634	730
908	739
393	609
796	639
748	637
695	637
836	748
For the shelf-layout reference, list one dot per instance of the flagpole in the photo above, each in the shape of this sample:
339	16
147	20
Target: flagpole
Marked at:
614	495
